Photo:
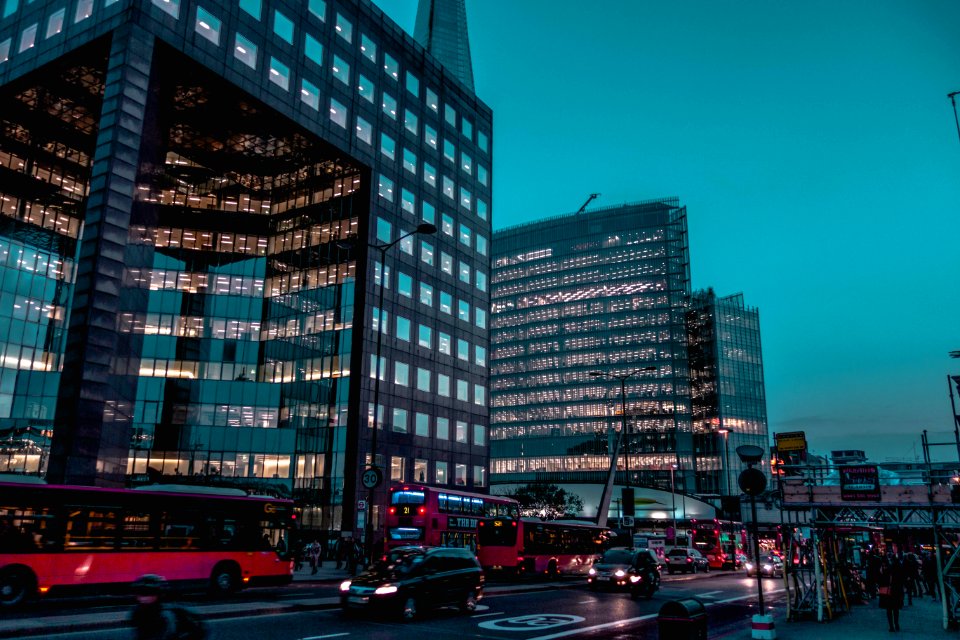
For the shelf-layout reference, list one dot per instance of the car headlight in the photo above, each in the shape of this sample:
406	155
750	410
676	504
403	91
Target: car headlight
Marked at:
619	573
592	572
749	566
345	585
768	567
635	578
385	590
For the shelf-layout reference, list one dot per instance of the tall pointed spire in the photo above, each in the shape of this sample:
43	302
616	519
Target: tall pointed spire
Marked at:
442	29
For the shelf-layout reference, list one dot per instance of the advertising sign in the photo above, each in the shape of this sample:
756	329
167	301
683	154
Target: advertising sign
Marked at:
860	482
791	441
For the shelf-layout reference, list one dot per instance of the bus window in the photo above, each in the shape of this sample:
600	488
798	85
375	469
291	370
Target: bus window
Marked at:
178	530
407	497
137	532
90	529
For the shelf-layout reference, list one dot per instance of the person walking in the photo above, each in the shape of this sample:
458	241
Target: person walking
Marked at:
911	577
929	570
315	553
891	590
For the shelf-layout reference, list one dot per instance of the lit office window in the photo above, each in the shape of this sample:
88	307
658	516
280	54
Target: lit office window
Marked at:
406	244
318	8
310	94
389	105
252	7
283	26
450	115
432	102
420	468
171	7
482	175
404	285
479	476
388	146
442	476
480	279
480	318
374	370
448	187
466	198
391	67
466	127
428	212
401	374
463	349
426	294
364	131
446	303
245	51
449	150
446	226
466	163
443	343
479	394
279	74
208	26
443	390
408	203
341	70
461	432
430	174
430	134
5	50
423	380
481	209
425	336
411	122
403	328
399	421
481	244
55	23
422	425
480	356
410	161
465	235
338	113
312	49
426	252
344	28
398	467
446	263
413	84
385	188
27	37
463	310
368	48
365	89
84	10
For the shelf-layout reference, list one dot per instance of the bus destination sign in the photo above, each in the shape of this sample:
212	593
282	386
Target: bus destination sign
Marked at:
459	522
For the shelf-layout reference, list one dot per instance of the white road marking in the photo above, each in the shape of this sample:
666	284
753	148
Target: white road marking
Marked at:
752	595
331	635
708	594
483	615
574	632
587	601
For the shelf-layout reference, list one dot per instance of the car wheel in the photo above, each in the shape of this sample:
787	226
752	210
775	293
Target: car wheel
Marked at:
695	570
16	587
469	603
409	610
707	569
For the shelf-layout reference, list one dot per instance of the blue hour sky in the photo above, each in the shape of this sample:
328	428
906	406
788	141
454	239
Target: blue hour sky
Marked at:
817	154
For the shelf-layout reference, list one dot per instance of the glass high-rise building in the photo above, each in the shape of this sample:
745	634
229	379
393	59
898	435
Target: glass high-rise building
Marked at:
578	300
729	401
188	192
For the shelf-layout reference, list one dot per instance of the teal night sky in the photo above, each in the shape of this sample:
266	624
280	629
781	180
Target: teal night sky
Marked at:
814	147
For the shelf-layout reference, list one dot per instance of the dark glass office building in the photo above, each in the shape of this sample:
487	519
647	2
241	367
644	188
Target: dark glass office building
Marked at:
188	193
576	301
729	401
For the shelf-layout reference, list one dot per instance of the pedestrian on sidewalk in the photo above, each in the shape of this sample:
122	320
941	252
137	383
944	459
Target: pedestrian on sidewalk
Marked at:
911	577
891	590
929	570
315	554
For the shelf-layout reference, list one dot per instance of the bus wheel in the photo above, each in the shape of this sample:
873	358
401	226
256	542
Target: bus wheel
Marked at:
469	603
409	610
225	579
17	585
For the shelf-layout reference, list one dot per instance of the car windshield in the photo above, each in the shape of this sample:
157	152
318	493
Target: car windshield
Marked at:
398	562
617	556
677	553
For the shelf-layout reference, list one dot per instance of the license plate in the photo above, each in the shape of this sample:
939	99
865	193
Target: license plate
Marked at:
358	599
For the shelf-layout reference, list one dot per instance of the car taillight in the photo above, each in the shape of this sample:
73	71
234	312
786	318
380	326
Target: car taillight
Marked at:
422	511
392	511
689	559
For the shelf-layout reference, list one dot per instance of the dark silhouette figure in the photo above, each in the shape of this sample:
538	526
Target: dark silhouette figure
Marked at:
891	590
929	570
153	620
911	575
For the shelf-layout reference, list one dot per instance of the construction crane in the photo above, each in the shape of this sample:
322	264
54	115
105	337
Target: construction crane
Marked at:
592	197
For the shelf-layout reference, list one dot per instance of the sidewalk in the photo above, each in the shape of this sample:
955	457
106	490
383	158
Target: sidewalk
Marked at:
326	573
920	621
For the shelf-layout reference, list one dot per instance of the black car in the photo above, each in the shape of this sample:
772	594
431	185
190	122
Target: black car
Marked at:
770	566
409	580
686	560
626	568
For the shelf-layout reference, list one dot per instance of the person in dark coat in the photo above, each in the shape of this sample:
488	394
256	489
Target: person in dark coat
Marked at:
929	569
911	577
891	590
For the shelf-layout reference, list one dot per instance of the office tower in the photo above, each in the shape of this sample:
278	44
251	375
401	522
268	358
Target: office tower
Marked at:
729	402
189	192
441	28
577	301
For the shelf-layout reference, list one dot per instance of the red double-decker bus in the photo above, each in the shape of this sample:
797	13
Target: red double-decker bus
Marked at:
720	542
440	517
55	538
538	547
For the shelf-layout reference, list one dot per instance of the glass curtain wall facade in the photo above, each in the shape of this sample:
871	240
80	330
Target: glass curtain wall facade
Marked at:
729	401
188	295
603	291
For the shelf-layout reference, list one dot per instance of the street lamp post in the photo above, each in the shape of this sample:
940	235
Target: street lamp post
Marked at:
372	476
623	427
673	493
